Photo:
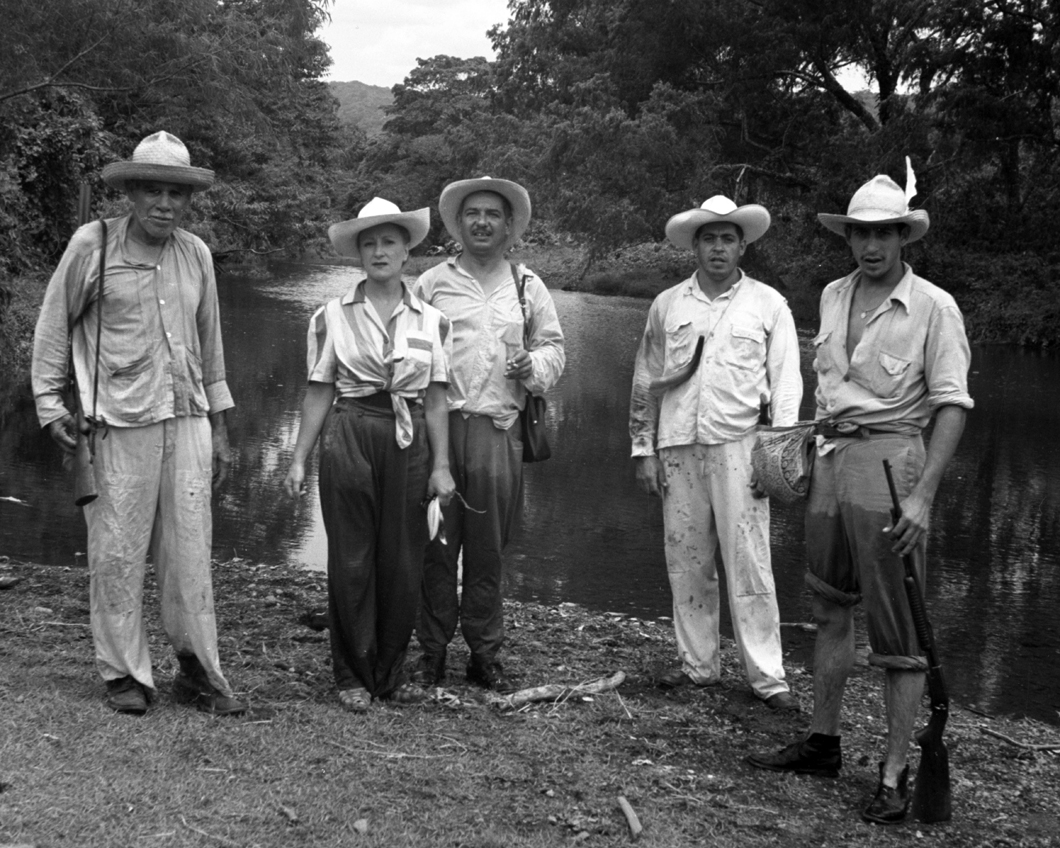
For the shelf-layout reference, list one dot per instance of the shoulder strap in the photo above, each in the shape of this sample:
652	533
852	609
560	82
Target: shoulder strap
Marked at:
520	287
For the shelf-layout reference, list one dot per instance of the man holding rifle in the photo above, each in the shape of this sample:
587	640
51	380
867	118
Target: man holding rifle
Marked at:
136	300
890	354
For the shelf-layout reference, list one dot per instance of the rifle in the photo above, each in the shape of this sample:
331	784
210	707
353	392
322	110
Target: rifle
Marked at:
82	461
931	792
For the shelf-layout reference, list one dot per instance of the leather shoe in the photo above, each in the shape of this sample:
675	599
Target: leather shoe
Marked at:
819	756
205	698
891	803
429	671
126	695
783	702
490	675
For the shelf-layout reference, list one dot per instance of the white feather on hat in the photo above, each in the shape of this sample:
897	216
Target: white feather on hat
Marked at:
753	219
161	157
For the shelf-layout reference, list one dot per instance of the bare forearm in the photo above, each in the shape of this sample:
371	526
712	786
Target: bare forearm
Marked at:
437	416
315	407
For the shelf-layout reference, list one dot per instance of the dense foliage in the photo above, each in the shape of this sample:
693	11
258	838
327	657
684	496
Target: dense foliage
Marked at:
238	81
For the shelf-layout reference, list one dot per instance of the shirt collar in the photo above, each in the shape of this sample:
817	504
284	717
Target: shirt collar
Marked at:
692	286
356	295
902	291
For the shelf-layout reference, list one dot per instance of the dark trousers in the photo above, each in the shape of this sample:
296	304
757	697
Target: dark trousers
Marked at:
487	466
371	494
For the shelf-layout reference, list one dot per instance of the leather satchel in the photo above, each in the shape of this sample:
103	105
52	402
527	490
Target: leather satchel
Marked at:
532	417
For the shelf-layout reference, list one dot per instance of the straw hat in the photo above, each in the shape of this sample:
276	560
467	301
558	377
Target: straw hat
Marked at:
881	201
782	459
454	194
375	212
752	219
161	157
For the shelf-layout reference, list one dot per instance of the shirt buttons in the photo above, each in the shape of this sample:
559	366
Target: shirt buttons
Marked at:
160	300
169	335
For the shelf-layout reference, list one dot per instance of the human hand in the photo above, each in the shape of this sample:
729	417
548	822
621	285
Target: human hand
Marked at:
441	485
912	526
294	482
222	456
64	433
756	490
519	366
651	476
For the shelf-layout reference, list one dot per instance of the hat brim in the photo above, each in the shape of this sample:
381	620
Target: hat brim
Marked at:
118	173
753	219
454	194
344	234
918	222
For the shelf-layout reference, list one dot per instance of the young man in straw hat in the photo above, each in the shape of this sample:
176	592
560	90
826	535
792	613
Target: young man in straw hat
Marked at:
891	353
156	388
692	442
491	371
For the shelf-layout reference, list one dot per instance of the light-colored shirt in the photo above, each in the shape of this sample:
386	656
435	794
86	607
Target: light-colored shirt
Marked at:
487	329
913	357
160	351
751	349
349	345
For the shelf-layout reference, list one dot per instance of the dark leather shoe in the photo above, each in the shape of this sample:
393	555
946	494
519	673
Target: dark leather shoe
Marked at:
429	671
890	804
811	756
490	676
205	698
783	702
673	679
126	695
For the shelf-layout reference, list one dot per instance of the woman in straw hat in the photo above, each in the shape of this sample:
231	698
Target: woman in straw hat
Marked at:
378	371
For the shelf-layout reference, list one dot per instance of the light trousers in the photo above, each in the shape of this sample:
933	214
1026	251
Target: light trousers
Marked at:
154	497
708	508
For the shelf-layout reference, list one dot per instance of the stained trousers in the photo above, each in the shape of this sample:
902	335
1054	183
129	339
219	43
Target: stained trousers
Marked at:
371	497
708	507
487	466
154	496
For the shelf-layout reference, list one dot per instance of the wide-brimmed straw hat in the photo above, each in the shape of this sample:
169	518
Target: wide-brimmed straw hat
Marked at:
782	460
881	201
454	194
161	157
753	219
375	212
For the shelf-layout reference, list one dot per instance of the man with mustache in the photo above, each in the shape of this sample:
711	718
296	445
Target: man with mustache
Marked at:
134	302
492	368
692	442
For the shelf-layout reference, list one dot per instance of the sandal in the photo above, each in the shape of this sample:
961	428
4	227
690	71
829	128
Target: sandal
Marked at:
355	700
407	694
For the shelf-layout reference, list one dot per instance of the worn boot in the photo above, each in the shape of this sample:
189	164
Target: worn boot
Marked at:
192	686
818	755
430	670
890	804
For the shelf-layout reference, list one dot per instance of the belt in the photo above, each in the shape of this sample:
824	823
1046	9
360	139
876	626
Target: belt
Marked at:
831	431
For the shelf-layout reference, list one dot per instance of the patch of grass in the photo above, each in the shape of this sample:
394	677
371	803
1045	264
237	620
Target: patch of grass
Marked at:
459	771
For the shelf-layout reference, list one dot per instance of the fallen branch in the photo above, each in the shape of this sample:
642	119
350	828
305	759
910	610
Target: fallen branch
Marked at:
1055	746
557	691
635	826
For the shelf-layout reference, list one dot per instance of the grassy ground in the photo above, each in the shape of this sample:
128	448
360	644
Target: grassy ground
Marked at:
460	771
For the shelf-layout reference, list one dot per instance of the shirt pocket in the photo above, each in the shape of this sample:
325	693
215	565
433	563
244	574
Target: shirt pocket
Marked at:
822	355
680	344
888	375
412	362
748	346
130	388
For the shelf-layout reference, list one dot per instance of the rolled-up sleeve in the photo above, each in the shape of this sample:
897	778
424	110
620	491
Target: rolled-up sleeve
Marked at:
546	338
947	359
643	405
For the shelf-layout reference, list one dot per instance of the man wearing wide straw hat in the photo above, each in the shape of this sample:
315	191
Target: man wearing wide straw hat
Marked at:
136	300
891	353
479	291
714	347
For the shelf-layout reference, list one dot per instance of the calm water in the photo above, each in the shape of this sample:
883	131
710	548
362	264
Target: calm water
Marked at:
589	536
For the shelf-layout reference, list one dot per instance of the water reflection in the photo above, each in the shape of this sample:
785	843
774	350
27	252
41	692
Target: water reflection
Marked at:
589	536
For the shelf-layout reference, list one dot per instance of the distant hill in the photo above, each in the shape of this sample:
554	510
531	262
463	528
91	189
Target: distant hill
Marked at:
362	105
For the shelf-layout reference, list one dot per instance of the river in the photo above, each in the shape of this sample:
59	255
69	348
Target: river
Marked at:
588	535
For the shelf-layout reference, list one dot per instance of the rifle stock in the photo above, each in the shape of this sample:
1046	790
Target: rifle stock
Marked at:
931	793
